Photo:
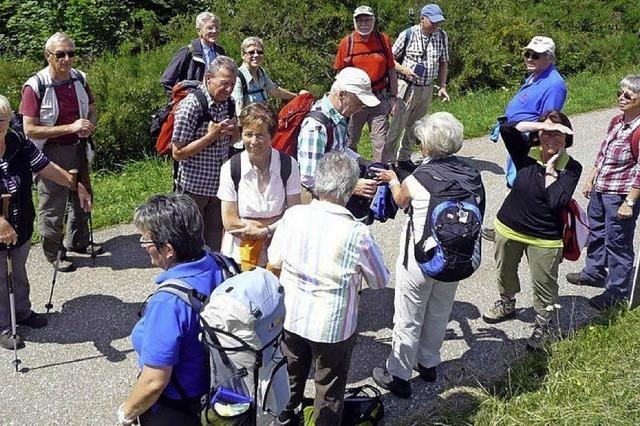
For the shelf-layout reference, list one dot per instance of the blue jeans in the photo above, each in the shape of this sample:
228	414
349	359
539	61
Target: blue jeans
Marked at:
610	250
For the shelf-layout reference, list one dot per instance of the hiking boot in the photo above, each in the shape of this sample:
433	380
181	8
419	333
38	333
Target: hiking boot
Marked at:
606	300
502	310
397	386
544	332
65	265
407	165
6	341
428	374
287	418
34	320
488	234
576	279
97	249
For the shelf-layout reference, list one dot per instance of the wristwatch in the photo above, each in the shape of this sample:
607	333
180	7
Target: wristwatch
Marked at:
629	202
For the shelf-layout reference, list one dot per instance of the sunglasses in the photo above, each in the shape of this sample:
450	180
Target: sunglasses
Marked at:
255	52
628	96
61	54
532	55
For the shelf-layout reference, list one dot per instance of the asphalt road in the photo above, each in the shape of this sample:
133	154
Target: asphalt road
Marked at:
80	368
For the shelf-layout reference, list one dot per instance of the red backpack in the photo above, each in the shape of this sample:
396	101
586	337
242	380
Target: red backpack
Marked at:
162	121
575	233
290	120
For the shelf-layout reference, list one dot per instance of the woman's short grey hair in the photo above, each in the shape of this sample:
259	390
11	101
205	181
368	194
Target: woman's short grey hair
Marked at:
440	134
251	41
222	63
58	37
173	219
5	108
204	17
631	82
336	177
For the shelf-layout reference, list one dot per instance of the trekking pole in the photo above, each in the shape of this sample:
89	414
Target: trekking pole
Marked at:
6	202
412	16
93	253
74	177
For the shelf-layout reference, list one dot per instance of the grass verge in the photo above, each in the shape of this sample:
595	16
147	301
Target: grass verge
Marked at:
592	379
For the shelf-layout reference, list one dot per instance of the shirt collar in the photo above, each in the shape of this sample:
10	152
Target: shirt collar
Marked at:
536	153
331	112
246	167
544	74
187	269
332	208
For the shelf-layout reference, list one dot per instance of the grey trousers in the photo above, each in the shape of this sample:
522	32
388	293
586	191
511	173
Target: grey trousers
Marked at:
378	120
211	210
20	283
51	201
422	307
543	264
413	103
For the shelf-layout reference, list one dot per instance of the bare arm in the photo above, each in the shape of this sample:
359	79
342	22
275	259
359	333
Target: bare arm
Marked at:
282	93
147	390
34	130
442	80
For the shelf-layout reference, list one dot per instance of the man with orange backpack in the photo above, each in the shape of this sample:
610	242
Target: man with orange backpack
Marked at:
204	126
370	50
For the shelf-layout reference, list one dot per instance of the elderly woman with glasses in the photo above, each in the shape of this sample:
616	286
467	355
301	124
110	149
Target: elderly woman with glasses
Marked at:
530	219
613	188
253	83
256	187
19	160
423	304
174	366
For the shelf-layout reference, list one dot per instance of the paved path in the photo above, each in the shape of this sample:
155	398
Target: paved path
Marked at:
80	368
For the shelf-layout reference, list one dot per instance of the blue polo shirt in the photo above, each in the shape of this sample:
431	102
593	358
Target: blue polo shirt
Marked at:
167	333
547	92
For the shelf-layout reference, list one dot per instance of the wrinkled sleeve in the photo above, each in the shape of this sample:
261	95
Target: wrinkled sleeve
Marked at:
374	270
312	140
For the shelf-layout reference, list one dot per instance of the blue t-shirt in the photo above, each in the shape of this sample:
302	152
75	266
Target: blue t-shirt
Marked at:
167	333
547	92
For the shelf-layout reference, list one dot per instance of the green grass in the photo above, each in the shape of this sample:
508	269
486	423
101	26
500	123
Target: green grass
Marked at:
592	379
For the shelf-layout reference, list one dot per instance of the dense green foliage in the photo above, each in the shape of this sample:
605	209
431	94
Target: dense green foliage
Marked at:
124	52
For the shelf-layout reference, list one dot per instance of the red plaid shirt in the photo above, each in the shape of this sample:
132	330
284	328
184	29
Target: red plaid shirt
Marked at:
618	171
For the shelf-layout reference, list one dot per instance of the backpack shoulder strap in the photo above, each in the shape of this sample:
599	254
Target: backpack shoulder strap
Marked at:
407	38
184	292
243	87
204	106
348	59
235	165
227	265
285	170
635	142
328	125
231	108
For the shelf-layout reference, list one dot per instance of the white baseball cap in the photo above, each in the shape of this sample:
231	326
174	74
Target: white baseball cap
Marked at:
356	81
363	10
541	44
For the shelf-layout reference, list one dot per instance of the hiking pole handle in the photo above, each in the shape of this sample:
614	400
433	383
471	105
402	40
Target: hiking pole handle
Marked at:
6	202
74	179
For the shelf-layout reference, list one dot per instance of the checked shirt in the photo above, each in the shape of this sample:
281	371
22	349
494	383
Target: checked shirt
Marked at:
618	171
428	50
200	174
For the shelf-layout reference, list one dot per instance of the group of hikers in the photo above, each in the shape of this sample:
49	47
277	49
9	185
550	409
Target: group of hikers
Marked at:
241	205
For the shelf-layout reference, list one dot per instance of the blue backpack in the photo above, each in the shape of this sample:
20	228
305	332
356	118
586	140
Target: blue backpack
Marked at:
450	247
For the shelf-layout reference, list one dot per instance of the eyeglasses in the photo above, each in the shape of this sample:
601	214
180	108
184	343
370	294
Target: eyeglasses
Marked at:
255	52
61	54
144	242
532	55
628	96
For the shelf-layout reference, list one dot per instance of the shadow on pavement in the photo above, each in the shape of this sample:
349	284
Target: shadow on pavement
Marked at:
121	253
484	165
99	319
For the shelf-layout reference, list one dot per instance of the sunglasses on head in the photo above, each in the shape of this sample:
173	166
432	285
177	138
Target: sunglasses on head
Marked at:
61	54
532	55
628	96
254	52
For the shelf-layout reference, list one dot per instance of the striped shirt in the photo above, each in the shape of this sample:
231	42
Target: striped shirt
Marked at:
312	140
426	49
200	174
618	171
322	269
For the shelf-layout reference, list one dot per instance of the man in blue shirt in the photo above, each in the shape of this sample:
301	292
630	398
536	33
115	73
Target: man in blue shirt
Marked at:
544	89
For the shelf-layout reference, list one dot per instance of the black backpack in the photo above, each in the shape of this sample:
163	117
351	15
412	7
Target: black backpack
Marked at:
450	247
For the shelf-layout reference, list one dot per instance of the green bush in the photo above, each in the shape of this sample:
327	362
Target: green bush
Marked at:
486	38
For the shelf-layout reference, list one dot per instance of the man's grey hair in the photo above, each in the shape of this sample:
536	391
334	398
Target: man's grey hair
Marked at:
440	134
58	37
336	177
222	63
251	41
5	108
204	17
632	83
173	219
